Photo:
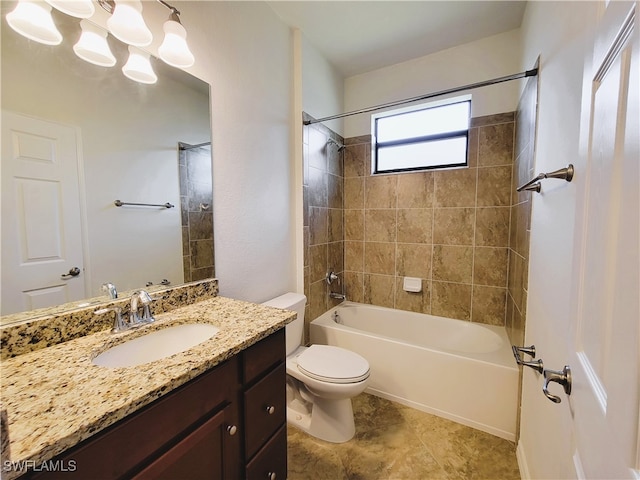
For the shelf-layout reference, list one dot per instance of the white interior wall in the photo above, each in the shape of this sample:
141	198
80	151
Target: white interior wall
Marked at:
484	59
322	87
244	51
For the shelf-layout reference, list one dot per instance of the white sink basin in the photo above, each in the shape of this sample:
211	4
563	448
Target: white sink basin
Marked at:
156	345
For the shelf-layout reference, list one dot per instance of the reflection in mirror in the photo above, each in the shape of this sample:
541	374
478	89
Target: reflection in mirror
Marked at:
75	138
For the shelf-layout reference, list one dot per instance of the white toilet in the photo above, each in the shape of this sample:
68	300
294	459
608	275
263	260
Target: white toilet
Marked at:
321	380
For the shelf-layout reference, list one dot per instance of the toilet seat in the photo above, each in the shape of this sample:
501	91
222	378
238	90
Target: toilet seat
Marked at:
333	364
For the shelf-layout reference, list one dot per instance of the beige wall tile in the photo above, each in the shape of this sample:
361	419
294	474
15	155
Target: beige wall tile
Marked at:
318	300
317	144
380	225
472	152
354	256
317	188
318	262
516	274
335	257
305	239
335	228
490	266
381	191
318	225
492	226
334	191
354	192
455	188
413	260
354	286
379	290
489	305
494	186
453	226
493	119
415	190
414	302
451	300
452	263
380	258
354	224
356	160
495	145
415	225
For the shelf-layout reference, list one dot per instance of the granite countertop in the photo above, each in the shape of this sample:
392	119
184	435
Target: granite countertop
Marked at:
56	397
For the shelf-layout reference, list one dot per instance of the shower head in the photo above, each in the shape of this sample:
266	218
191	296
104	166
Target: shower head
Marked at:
337	144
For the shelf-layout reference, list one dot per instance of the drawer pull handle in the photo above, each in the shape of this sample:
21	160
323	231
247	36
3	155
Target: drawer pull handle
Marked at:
232	429
271	475
270	411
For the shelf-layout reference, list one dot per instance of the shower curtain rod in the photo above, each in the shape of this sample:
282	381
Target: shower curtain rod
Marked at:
529	73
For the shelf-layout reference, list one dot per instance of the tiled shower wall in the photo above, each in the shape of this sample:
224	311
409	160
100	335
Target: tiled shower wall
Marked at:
521	212
196	200
323	217
450	228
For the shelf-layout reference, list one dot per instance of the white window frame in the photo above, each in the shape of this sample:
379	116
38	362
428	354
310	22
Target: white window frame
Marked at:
375	146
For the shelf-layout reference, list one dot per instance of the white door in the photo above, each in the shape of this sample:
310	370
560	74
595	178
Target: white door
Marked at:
42	249
584	286
604	337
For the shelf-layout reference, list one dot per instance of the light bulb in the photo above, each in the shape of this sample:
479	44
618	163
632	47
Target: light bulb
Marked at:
174	49
93	47
33	20
75	8
138	67
127	24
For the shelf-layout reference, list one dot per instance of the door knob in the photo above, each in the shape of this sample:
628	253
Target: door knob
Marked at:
563	378
74	272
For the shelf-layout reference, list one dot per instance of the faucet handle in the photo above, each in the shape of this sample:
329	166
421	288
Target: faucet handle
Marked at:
119	325
145	300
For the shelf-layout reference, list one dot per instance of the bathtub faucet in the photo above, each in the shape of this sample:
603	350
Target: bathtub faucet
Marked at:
338	296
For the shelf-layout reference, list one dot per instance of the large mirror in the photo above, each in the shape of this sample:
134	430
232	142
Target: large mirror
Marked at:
125	141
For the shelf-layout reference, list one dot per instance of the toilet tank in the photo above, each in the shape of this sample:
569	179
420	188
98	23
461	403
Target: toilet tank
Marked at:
293	331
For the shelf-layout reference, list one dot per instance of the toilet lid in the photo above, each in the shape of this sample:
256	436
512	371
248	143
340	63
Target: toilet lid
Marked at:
333	364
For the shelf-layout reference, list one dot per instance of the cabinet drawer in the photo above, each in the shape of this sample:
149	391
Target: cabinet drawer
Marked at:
263	356
135	439
265	409
271	460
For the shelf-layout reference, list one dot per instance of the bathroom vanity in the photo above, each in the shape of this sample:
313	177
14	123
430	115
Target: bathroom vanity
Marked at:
216	410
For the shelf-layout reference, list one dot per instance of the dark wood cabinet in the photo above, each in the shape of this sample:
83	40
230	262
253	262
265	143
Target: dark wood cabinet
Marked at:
228	423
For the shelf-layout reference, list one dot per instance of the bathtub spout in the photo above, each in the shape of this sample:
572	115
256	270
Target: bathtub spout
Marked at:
338	296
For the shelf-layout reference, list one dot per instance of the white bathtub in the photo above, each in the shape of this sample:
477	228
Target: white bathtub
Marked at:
455	369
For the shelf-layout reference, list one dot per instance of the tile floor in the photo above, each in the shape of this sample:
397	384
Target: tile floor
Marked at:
397	442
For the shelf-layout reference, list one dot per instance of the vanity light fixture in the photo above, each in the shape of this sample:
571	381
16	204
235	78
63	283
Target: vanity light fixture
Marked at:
138	67
75	8
32	19
174	49
126	23
92	45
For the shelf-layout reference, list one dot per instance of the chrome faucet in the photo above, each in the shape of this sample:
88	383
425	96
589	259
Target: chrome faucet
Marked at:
141	298
110	288
338	296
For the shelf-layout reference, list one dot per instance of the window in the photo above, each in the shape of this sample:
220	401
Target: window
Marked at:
422	137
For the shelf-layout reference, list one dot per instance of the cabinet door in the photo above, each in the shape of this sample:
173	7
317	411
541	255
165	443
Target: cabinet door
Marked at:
198	456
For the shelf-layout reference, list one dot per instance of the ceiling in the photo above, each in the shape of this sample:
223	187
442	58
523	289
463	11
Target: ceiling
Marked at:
360	36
